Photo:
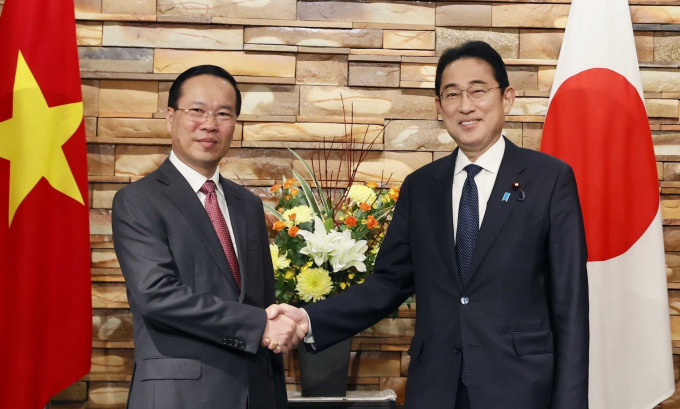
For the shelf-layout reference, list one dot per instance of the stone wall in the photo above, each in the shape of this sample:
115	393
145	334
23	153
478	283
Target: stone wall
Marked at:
295	60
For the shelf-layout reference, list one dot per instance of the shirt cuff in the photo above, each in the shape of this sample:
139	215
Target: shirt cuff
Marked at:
309	339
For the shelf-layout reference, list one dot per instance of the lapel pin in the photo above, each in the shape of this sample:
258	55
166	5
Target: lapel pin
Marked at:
506	196
518	187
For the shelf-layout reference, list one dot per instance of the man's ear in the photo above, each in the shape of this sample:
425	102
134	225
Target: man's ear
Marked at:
508	99
169	114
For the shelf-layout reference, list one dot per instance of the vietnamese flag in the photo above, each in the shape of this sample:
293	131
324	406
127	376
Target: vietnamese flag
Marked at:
45	295
597	123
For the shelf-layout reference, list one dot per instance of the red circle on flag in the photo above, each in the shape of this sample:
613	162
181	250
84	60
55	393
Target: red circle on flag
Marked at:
597	123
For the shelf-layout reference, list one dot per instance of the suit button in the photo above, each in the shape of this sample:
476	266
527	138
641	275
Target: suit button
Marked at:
225	341
464	300
456	348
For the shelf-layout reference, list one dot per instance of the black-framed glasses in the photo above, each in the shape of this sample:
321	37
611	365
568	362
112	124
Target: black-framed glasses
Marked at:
201	115
475	93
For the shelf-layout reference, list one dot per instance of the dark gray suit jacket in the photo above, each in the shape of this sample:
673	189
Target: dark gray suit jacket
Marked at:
521	320
197	339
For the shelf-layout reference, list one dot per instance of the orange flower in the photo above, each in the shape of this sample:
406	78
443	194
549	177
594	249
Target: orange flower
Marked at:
394	192
275	188
280	209
292	217
279	225
288	183
365	207
293	231
350	221
294	191
371	222
372	185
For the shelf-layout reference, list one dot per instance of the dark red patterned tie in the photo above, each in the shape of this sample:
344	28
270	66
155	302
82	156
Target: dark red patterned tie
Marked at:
220	225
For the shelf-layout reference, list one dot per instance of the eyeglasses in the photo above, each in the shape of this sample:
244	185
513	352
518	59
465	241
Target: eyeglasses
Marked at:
475	93
201	115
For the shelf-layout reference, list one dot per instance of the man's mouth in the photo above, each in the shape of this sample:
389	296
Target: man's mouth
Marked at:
468	122
207	141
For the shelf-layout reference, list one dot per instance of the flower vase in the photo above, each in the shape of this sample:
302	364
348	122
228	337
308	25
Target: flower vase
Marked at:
325	373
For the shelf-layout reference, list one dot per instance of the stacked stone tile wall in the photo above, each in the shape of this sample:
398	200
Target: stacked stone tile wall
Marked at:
295	60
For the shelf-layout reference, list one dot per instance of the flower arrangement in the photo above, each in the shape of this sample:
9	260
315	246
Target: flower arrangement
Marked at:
327	239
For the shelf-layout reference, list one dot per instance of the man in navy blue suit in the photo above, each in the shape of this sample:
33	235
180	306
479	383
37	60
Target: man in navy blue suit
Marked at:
491	241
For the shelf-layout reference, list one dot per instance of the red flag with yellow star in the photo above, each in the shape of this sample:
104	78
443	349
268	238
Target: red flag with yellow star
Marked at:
45	296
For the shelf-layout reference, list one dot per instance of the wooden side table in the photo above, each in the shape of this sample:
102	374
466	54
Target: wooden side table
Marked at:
355	399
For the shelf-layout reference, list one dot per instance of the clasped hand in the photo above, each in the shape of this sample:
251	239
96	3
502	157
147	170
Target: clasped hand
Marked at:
286	326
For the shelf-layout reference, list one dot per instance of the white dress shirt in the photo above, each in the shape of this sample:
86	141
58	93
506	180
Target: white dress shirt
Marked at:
490	161
196	180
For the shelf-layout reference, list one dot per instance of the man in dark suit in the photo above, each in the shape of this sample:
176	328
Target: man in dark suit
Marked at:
194	251
491	241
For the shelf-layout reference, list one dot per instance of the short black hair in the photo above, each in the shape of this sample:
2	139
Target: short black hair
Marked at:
473	49
176	88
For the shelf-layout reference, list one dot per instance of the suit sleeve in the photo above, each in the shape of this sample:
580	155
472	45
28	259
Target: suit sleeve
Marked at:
569	295
342	316
278	368
156	291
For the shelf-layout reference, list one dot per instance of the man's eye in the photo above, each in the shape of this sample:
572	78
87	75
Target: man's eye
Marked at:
224	115
197	110
477	91
453	94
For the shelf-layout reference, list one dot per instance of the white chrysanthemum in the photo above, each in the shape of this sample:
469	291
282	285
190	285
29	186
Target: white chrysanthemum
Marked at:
347	252
361	194
280	262
313	284
303	214
319	244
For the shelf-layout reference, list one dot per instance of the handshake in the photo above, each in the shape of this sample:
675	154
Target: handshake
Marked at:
286	326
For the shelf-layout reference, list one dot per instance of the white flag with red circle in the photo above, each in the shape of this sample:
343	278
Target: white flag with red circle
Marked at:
597	123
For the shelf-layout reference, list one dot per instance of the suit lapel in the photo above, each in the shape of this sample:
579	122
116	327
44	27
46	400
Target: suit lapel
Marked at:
182	195
443	212
497	210
237	216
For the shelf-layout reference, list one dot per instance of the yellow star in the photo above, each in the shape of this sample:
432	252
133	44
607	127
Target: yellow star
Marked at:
32	139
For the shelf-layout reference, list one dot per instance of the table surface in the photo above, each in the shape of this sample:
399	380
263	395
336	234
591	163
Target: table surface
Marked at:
352	396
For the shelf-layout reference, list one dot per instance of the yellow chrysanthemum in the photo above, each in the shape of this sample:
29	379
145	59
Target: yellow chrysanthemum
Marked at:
313	284
280	262
361	194
343	285
290	274
303	214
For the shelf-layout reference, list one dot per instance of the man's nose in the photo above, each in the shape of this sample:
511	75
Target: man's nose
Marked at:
210	122
466	104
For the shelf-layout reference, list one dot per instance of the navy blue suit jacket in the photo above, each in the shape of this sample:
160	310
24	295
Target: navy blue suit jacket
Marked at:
523	326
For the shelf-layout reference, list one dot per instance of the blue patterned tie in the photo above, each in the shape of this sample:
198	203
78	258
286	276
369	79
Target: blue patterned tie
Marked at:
466	236
468	222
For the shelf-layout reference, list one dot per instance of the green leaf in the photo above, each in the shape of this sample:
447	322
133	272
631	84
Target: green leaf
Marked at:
328	224
273	211
384	213
327	207
308	194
